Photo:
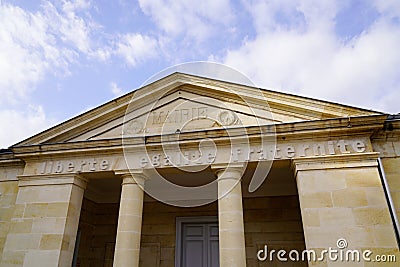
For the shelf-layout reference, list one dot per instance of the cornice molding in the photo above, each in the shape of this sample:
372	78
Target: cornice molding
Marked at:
328	128
116	108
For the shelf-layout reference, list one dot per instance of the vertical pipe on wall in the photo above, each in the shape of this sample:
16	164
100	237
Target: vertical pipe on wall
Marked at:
392	208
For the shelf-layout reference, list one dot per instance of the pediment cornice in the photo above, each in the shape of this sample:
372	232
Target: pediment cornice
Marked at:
290	114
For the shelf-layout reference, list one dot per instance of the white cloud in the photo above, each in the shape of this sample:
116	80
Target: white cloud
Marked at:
390	8
74	27
180	17
135	48
278	15
26	51
310	59
116	90
33	45
18	125
72	6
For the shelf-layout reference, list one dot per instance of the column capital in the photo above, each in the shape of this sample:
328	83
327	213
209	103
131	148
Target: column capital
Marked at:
53	179
132	177
335	162
228	171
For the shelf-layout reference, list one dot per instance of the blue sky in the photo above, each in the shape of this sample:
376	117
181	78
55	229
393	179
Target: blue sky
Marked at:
60	58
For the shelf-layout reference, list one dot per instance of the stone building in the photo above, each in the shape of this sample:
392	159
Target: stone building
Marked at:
73	194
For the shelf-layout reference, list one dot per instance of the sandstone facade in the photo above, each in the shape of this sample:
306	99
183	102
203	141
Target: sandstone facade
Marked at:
84	193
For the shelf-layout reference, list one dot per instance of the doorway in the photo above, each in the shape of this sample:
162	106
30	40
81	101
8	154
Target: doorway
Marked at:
197	242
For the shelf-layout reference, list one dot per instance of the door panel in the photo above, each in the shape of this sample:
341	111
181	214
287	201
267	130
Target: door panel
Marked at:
193	254
200	247
213	245
214	254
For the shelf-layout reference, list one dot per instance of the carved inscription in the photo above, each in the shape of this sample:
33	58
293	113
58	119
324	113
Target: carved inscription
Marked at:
178	159
178	115
90	165
208	155
302	150
254	153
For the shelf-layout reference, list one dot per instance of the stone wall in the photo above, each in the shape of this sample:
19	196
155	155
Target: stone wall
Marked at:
8	194
272	221
98	227
392	172
159	231
9	170
275	222
387	143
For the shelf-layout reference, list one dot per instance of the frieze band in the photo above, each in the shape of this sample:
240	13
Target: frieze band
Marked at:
207	156
243	153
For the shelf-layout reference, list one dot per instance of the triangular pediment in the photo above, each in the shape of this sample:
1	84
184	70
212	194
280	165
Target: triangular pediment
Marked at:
181	111
184	103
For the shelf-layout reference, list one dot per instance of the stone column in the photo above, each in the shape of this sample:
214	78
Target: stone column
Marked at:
341	197
127	245
232	249
45	221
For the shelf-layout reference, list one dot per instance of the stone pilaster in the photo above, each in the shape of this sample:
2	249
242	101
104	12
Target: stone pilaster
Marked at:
127	246
232	249
341	197
45	221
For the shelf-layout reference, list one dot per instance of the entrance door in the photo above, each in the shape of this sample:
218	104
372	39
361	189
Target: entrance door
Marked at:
198	244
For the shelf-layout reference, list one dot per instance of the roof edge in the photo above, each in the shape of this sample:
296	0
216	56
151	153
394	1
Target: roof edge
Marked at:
175	76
